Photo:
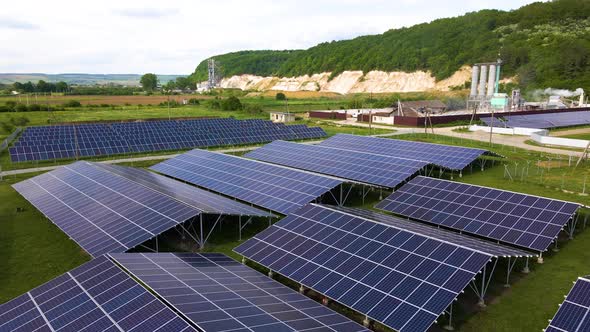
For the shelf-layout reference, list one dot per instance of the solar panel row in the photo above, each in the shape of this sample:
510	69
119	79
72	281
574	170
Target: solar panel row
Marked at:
97	296
219	294
402	279
471	242
353	165
203	200
574	313
450	157
527	221
85	140
540	121
273	187
105	212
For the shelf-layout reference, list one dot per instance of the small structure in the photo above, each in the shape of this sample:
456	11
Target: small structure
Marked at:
419	107
282	117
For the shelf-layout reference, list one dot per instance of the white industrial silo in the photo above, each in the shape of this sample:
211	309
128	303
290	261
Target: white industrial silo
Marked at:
482	80
492	80
474	77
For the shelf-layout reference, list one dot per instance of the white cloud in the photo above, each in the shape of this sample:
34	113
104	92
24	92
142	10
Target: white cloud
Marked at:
12	24
173	37
146	13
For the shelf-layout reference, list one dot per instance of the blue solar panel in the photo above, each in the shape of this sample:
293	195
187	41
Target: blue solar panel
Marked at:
97	296
540	121
353	165
203	200
402	279
574	313
101	139
451	157
527	221
106	212
219	294
273	187
489	247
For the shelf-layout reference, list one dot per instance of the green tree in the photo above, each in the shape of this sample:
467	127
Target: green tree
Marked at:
61	86
280	96
183	83
149	81
232	103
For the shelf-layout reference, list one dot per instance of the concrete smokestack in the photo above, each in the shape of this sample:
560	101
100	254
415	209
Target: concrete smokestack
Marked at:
482	80
492	80
474	77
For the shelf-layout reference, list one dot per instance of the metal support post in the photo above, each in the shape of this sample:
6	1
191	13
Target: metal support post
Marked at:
555	247
202	242
481	301
526	269
449	326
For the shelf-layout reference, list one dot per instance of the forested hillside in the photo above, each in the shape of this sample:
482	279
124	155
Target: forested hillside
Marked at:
545	44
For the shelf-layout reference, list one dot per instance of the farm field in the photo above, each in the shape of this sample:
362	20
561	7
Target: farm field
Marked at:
27	235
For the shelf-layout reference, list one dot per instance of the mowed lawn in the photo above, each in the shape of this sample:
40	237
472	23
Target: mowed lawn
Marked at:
32	249
36	251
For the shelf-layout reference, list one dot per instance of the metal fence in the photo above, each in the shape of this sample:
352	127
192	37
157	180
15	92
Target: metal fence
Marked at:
9	139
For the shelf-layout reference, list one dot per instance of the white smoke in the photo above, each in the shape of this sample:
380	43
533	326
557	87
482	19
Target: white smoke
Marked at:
563	92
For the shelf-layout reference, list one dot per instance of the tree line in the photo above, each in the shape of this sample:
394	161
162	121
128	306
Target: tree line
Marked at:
544	43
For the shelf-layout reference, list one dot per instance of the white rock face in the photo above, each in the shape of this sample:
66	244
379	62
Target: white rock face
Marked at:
350	82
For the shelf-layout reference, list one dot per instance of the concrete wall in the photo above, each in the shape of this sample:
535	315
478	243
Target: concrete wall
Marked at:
389	120
567	142
510	131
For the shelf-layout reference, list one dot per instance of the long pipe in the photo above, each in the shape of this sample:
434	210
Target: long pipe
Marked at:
498	76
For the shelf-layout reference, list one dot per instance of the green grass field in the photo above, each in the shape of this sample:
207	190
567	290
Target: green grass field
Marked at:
578	136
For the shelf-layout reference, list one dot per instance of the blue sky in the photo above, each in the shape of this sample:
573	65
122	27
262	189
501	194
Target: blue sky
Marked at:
172	37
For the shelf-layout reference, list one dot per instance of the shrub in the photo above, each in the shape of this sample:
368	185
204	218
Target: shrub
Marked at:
194	101
72	103
20	121
280	96
214	104
253	108
21	108
231	104
34	108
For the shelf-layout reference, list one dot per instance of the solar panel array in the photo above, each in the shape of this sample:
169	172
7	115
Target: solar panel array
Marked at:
203	200
219	294
574	313
369	168
104	212
540	121
97	296
489	247
102	139
527	221
451	157
273	187
402	279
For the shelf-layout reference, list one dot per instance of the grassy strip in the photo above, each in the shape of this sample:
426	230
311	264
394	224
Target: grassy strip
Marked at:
33	250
